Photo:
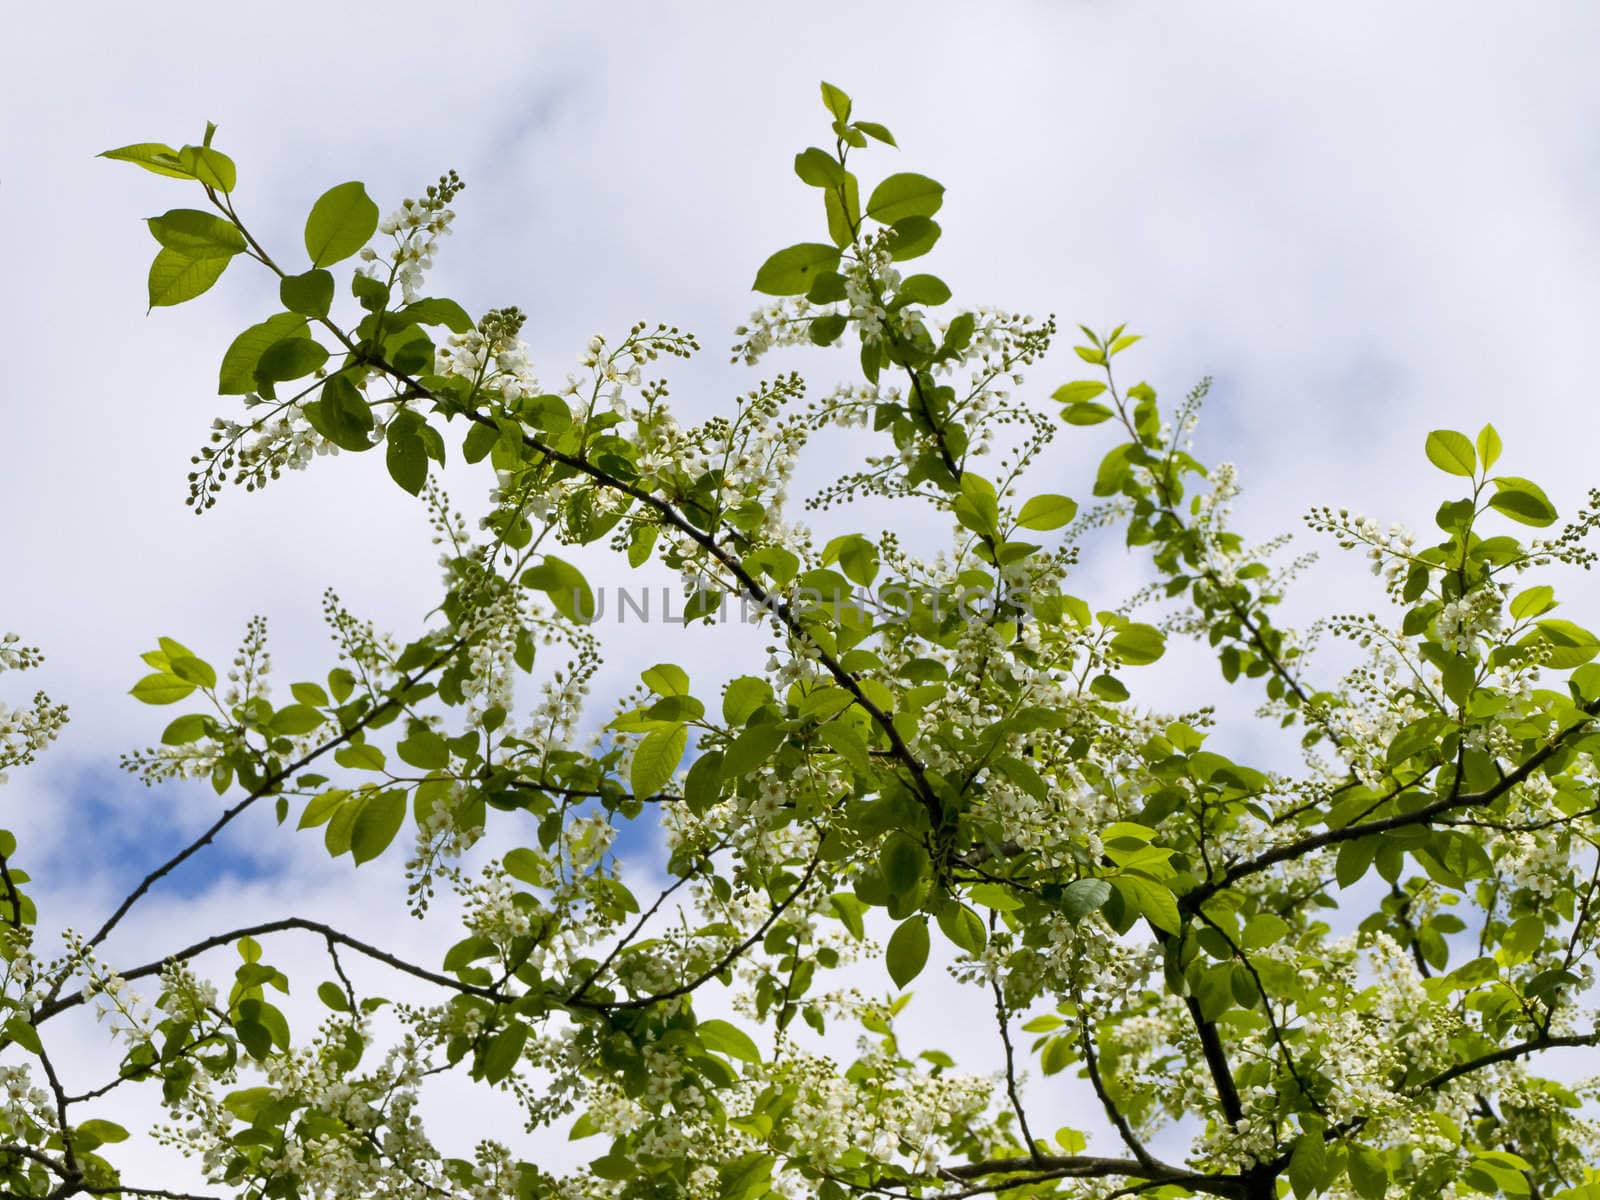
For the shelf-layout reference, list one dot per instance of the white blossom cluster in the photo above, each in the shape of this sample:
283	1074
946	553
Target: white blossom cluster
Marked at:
416	227
782	323
491	356
24	732
1466	620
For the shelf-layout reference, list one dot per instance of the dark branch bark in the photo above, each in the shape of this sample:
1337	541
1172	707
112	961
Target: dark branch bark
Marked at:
51	1008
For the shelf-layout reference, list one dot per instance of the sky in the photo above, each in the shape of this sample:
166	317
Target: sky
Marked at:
1364	221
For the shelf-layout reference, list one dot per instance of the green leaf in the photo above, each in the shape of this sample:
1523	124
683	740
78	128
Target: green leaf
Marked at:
1572	644
295	719
1264	929
343	220
1021	772
531	868
424	749
376	824
818	168
903	861
1368	1175
190	727
439	312
843	208
21	1031
97	1132
1522	500
907	952
196	234
1488	446
309	693
161	688
1077	393
1154	900
964	928
790	272
849	909
656	759
843	739
1086	413
333	996
836	102
1137	645
1058	1055
1530	602
321	807
873	130
1084	896
238	374
1047	512
747	1177
905	195
720	1037
311	293
743	696
192	670
406	455
1108	688
156	157
922	289
1452	452
1308	1164
291	358
750	749
1354	859
913	237
503	1052
342	415
175	277
978	508
666	679
565	585
211	167
360	756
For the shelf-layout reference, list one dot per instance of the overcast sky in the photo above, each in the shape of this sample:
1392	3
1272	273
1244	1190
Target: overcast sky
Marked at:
1364	220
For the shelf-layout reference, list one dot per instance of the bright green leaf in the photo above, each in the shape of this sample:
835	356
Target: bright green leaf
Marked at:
343	220
721	1037
790	272
161	688
656	759
565	585
152	156
311	293
1452	452
1522	500
238	374
175	277
905	195
376	824
907	952
195	234
1047	512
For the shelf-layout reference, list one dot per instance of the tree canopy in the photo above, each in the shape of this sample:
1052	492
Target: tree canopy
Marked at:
951	773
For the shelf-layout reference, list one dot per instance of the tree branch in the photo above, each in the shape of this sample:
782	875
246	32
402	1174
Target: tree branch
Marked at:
266	787
1091	1062
1421	816
52	1007
722	964
1051	1167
